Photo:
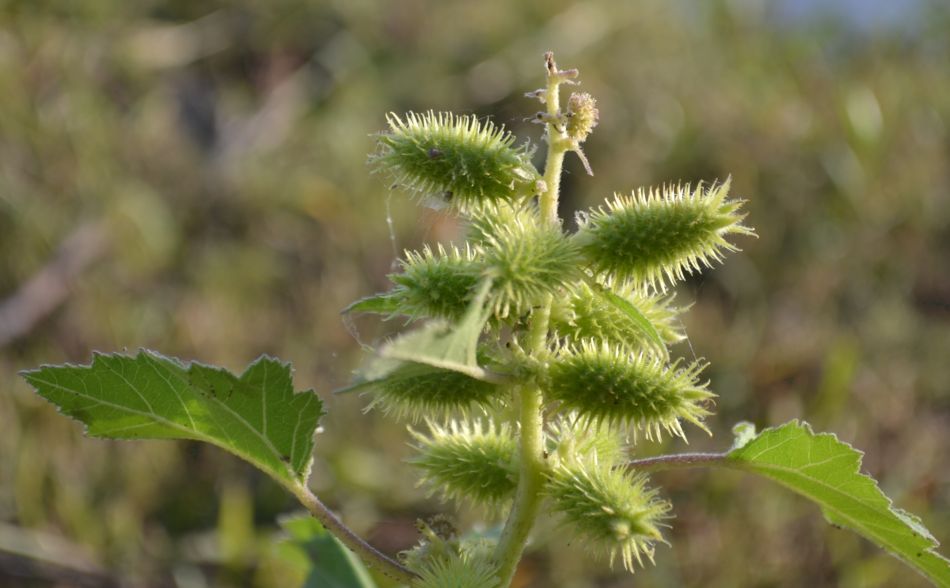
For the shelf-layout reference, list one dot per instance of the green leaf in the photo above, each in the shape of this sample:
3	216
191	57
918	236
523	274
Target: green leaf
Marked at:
385	303
256	416
447	346
324	561
827	471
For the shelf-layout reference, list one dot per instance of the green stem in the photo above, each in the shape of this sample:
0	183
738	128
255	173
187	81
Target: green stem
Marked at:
557	145
527	501
524	511
366	552
678	461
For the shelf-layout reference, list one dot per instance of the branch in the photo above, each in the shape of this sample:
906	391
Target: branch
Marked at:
677	461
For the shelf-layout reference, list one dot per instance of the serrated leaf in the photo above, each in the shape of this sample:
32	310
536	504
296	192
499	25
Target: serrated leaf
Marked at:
827	471
256	415
322	559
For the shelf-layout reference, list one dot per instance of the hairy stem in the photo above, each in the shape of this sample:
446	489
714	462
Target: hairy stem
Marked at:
366	552
524	511
527	501
556	144
678	461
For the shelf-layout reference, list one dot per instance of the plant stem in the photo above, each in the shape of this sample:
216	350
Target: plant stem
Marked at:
524	511
556	145
678	461
366	552
527	501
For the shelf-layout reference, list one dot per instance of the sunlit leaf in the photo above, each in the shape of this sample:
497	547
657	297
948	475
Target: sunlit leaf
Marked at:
256	415
827	471
444	345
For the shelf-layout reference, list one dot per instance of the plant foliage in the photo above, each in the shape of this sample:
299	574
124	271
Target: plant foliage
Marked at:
256	415
559	341
828	472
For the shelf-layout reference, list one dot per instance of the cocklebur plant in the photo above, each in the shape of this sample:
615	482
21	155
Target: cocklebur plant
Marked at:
535	361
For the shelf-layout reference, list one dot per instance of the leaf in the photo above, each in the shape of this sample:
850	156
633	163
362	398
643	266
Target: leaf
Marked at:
324	561
385	303
256	416
447	346
827	471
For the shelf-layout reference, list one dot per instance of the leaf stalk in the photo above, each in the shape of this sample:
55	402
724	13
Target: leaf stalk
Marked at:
366	552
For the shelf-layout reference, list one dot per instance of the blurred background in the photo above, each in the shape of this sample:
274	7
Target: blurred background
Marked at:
189	176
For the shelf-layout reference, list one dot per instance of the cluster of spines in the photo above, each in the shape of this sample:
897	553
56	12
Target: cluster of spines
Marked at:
606	370
568	443
609	507
605	384
468	460
584	314
437	284
654	237
524	258
415	391
465	161
456	571
442	559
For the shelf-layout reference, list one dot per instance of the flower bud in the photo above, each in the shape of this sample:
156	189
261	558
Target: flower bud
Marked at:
455	156
652	237
610	508
582	115
468	460
604	384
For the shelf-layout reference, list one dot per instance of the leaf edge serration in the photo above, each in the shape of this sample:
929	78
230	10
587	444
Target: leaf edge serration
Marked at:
288	475
936	567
